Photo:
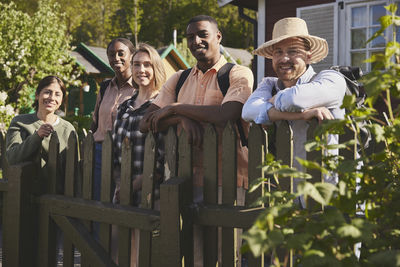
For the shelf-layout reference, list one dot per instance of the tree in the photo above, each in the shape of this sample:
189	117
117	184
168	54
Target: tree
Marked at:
32	47
160	18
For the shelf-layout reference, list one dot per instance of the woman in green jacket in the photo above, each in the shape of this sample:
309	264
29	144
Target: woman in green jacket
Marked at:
29	134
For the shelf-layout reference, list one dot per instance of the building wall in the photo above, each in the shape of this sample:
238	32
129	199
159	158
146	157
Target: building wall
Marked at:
278	9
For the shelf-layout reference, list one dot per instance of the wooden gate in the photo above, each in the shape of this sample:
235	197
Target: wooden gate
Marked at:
36	205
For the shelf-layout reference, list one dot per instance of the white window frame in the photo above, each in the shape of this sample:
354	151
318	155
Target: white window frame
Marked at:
348	6
335	28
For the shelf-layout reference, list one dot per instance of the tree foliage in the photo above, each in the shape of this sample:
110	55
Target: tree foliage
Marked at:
31	47
364	207
97	22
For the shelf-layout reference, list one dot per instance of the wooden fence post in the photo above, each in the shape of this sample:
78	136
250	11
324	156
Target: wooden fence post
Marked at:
171	207
210	189
88	154
315	156
70	174
107	163
124	233
21	222
147	201
229	190
257	149
185	171
47	228
284	150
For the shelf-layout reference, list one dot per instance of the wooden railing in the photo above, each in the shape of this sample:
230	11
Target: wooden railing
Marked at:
35	207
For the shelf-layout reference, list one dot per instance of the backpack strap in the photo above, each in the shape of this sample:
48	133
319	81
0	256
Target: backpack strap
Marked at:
181	81
103	87
223	77
223	84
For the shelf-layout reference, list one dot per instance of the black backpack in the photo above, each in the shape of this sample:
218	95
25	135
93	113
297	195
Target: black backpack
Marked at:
223	84
354	87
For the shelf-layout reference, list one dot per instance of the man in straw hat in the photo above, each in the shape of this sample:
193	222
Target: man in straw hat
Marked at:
298	94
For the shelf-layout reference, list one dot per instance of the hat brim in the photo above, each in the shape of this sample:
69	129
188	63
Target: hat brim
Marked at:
318	47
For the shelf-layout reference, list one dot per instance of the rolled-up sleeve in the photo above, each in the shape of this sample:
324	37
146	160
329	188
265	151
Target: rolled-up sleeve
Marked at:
257	106
327	89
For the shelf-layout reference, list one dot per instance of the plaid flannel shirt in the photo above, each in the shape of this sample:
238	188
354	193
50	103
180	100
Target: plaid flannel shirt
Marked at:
126	125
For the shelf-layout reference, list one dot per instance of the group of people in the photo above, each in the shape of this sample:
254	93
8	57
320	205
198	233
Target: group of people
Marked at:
139	99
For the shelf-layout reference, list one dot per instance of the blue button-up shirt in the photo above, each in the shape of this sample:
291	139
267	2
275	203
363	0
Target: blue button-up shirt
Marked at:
325	89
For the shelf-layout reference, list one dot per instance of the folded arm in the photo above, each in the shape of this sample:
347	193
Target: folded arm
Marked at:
326	90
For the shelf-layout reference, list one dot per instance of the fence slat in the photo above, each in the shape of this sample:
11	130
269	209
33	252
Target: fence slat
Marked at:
107	163
124	233
315	156
171	206
88	152
70	173
21	221
229	188
284	150
210	150
257	149
147	243
171	154
48	230
185	171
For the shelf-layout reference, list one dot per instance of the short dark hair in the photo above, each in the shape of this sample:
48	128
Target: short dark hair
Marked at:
203	18
124	41
46	81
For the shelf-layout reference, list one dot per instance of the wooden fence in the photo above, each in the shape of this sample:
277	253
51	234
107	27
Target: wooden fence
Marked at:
34	207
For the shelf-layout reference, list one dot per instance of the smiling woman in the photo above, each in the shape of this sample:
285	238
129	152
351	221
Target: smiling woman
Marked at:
29	134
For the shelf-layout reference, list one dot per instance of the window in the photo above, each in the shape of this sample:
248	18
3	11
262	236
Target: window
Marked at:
363	22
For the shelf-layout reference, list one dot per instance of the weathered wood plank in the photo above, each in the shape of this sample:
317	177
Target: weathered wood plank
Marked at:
47	228
107	213
210	190
88	166
170	210
229	188
21	221
147	201
171	154
70	173
315	156
284	150
124	233
88	153
47	239
54	183
84	241
257	150
107	163
185	171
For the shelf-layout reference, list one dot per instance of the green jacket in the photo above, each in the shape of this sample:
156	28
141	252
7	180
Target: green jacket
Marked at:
23	143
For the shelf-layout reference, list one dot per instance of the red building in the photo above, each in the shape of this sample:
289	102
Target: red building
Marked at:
346	25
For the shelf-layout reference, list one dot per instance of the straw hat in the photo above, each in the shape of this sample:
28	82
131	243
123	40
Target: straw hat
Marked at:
294	27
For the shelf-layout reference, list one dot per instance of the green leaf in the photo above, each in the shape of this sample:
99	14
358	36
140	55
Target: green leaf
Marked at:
309	190
377	131
392	8
291	172
256	239
349	231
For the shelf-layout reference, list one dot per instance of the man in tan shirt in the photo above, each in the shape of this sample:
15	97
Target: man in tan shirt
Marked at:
200	100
